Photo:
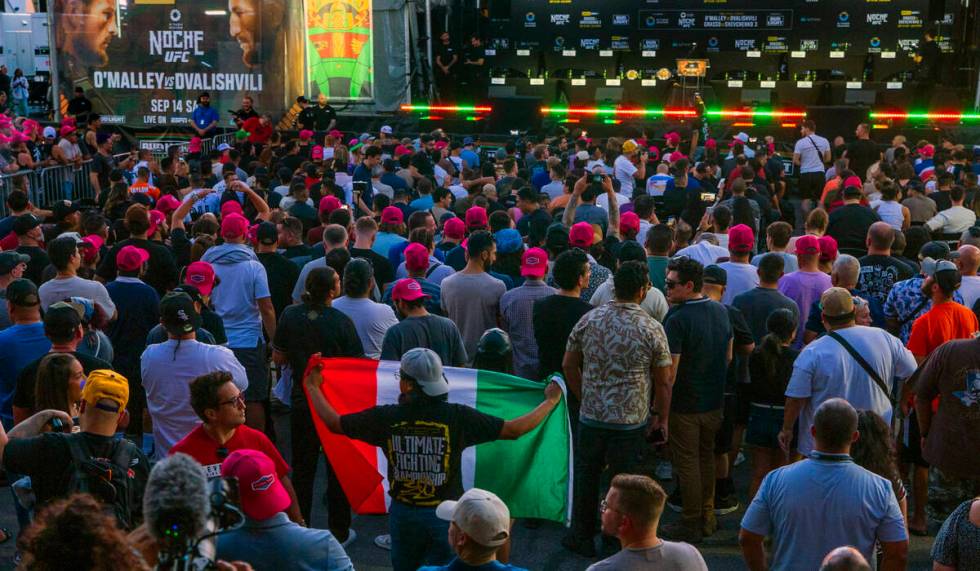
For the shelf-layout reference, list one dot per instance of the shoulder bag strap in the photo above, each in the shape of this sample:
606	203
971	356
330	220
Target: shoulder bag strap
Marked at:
864	365
816	148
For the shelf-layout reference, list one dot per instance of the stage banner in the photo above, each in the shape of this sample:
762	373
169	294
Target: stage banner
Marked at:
339	50
144	62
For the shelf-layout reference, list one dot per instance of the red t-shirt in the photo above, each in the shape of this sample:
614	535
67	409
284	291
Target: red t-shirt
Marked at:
257	133
942	323
199	445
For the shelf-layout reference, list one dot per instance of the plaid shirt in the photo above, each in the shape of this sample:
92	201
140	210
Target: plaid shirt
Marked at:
905	304
515	316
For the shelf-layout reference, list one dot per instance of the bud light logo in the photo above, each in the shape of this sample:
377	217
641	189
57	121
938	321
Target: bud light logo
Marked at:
621	19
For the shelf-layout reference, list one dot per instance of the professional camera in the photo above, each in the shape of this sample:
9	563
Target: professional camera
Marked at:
185	513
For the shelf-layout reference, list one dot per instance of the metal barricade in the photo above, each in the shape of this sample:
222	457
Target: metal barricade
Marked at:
25	180
64	182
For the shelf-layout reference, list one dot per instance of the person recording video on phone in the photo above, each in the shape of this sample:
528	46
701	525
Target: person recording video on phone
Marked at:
630	166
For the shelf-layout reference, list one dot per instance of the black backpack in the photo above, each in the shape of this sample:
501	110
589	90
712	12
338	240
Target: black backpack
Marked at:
110	480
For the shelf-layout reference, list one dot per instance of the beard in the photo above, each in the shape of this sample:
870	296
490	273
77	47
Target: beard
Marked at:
89	54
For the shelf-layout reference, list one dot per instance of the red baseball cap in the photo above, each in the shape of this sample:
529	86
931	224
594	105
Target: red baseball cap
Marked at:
167	203
317	153
130	258
828	248
853	181
741	239
90	247
927	151
416	257
231	207
534	263
67	130
329	203
408	290
476	217
454	229
200	275
807	245
629	222
261	493
233	226
582	235
392	215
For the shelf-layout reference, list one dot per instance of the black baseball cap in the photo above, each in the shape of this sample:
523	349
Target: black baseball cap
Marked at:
192	291
25	223
177	313
22	293
267	233
63	208
61	317
10	260
937	250
716	275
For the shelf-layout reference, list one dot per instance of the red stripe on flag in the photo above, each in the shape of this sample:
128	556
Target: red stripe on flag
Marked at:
351	385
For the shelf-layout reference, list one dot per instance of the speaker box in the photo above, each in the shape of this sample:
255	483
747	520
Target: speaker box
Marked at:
518	112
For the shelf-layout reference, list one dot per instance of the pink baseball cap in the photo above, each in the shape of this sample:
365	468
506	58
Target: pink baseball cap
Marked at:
231	207
195	145
581	235
233	226
534	263
654	153
90	249
711	144
828	248
306	134
328	204
156	219
476	217
741	239
672	138
261	493
130	258
200	275
317	153
167	204
440	145
927	151
629	222
66	130
806	245
416	257
454	229
408	289
335	133
392	215
853	181
402	150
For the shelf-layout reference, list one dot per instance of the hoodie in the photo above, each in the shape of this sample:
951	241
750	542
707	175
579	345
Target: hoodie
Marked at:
243	281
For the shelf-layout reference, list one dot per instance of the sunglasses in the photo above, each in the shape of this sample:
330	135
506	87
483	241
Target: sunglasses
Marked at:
235	401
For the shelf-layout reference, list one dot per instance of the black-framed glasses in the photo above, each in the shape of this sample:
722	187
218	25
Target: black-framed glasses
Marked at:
234	401
671	284
604	505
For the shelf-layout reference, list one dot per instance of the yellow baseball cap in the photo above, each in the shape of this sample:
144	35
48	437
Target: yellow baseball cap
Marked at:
103	384
629	146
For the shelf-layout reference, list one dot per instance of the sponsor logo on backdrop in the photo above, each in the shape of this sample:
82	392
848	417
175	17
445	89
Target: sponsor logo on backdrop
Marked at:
530	20
621	20
910	19
745	44
590	20
650	44
560	19
908	44
686	20
809	45
589	43
843	20
620	43
877	18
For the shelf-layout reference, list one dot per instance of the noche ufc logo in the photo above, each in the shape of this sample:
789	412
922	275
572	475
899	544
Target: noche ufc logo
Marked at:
878	19
560	19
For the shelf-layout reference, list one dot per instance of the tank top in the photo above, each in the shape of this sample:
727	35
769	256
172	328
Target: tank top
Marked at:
891	212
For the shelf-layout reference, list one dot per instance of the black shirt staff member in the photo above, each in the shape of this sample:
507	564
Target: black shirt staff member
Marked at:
473	62
245	113
446	60
320	117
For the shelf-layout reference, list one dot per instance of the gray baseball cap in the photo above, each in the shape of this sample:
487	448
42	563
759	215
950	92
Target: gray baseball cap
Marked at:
425	366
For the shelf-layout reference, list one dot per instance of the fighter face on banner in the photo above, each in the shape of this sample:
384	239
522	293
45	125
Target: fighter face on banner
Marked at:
84	30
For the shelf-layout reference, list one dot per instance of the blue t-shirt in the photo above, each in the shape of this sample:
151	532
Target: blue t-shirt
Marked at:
19	345
383	241
204	116
459	565
814	506
6	225
243	282
593	215
422	203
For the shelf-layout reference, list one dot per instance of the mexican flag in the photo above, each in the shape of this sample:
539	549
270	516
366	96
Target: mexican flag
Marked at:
532	475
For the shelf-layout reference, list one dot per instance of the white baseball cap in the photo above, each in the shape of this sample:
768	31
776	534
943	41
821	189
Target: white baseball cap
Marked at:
480	514
50	133
386	129
743	136
224	147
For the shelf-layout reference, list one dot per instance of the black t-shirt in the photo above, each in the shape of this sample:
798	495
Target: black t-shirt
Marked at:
524	224
861	154
35	267
424	443
769	387
383	272
553	318
880	273
161	269
292	162
317	118
849	226
103	165
757	304
699	331
445	53
738	369
303	330
27	378
282	275
47	460
942	200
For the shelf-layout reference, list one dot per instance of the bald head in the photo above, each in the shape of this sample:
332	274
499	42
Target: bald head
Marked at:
846	271
835	426
844	558
970	236
880	238
969	260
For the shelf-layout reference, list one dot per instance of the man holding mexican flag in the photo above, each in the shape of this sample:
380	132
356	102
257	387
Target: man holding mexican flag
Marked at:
423	438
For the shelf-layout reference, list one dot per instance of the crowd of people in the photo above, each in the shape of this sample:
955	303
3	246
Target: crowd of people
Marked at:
159	325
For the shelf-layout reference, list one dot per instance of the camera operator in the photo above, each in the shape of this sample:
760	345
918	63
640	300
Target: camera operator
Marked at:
267	533
630	167
182	517
55	460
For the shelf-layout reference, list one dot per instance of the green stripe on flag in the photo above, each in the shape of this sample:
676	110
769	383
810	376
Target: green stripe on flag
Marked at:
532	474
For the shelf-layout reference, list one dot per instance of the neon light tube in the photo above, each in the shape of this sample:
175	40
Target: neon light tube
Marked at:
753	113
927	116
448	108
618	112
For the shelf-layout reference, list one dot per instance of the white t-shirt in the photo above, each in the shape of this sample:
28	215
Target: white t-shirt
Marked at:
825	370
371	320
603	200
655	304
953	220
53	291
741	278
811	150
970	290
704	252
167	370
623	170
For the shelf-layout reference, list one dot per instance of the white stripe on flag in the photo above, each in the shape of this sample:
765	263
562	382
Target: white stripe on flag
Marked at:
388	391
462	383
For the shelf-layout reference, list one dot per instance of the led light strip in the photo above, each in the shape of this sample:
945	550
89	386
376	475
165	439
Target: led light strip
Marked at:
618	112
447	108
926	116
754	113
